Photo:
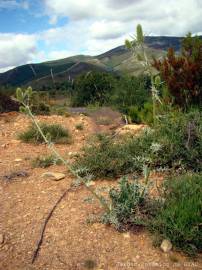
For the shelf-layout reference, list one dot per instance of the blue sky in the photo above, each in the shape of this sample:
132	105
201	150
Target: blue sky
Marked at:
41	30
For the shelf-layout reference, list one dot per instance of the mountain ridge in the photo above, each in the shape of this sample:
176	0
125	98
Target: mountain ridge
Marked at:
118	59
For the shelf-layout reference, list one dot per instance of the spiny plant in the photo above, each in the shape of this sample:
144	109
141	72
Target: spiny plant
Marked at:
138	47
131	204
23	96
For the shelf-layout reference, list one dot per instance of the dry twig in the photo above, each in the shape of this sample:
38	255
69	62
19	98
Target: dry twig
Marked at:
45	224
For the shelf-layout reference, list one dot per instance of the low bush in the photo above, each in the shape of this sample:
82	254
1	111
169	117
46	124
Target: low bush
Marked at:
107	157
180	217
130	205
179	139
55	132
142	114
41	108
175	143
45	161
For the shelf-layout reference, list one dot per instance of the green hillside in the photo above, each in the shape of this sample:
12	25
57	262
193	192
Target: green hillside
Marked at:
118	60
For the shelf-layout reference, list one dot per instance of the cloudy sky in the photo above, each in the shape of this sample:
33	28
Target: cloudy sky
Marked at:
40	30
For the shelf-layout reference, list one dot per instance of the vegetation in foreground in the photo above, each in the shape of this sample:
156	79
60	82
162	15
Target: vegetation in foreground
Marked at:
174	144
131	205
179	218
54	132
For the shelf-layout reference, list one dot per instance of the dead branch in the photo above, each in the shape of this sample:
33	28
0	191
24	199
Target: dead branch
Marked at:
36	252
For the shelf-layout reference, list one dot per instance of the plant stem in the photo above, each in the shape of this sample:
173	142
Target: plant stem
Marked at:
65	162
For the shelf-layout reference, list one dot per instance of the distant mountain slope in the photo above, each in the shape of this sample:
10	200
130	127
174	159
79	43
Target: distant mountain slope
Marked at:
116	60
69	73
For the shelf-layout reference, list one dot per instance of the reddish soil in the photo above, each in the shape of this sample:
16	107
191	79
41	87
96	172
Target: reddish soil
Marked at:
70	243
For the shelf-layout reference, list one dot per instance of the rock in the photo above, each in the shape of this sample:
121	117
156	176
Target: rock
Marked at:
91	183
18	160
166	245
54	176
126	235
1	239
15	141
4	145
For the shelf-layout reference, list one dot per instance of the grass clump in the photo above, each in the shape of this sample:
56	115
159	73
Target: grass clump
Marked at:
54	132
180	217
45	161
130	205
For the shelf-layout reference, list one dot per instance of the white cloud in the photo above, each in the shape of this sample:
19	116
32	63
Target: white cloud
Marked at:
53	55
103	29
96	26
13	4
160	16
17	49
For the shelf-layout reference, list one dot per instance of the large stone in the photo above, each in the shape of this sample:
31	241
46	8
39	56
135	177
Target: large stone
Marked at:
18	160
54	176
166	245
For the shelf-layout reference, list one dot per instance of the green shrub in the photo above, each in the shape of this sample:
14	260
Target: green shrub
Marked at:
175	143
179	137
180	218
92	87
42	108
134	114
130	91
59	110
142	114
130	205
105	157
38	103
55	132
45	161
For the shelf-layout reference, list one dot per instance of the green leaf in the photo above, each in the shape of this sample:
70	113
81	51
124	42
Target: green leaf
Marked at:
157	81
29	91
128	44
19	94
23	109
139	33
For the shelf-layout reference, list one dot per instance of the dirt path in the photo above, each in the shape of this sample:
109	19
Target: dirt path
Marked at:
70	242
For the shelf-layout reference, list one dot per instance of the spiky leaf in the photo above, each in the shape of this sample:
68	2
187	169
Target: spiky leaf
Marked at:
139	33
128	44
19	94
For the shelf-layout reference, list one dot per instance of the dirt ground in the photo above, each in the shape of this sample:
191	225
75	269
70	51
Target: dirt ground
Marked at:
70	242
